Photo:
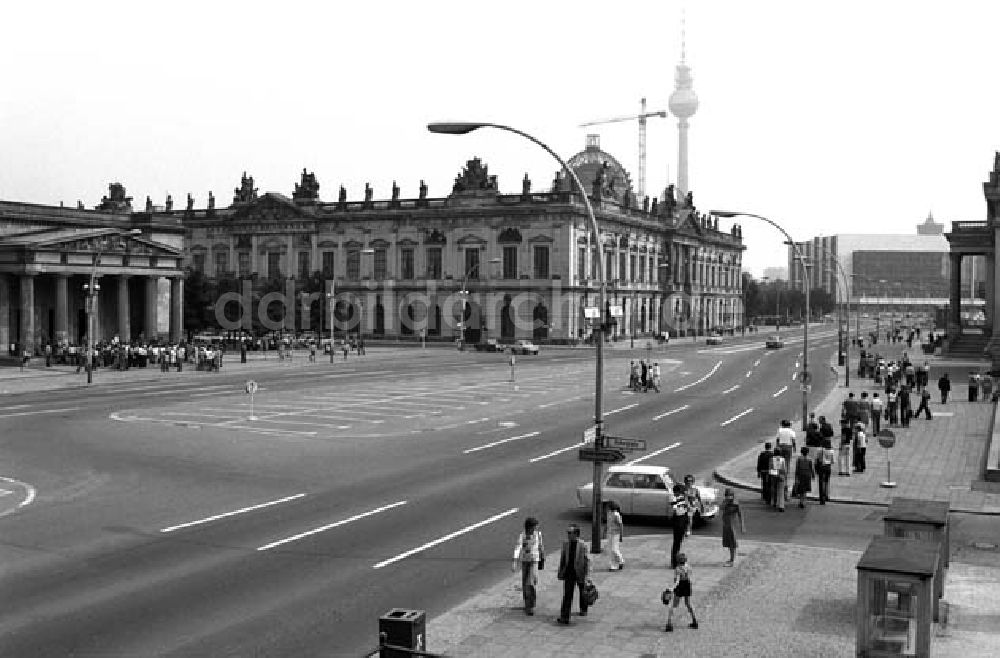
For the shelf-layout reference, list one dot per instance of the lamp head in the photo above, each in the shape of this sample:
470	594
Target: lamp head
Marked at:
454	127
726	213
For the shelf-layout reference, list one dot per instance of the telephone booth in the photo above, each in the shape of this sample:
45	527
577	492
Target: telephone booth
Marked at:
926	520
896	597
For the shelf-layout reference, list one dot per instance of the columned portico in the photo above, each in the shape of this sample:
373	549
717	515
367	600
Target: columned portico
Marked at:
4	313
955	295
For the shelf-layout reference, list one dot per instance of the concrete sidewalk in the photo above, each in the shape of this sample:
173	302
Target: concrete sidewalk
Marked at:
938	459
815	590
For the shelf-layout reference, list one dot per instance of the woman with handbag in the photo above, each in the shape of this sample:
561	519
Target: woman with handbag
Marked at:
804	476
530	553
682	589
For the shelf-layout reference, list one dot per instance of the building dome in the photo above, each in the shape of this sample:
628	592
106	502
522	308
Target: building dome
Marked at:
683	102
589	161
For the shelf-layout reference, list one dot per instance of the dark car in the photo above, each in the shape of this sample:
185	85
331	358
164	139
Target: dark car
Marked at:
774	342
490	345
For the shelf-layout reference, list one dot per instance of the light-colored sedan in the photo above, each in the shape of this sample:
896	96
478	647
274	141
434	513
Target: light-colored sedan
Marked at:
643	490
524	347
714	339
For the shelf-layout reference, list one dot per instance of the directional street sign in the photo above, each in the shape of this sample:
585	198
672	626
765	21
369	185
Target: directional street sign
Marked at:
601	455
591	312
616	312
622	443
251	387
590	434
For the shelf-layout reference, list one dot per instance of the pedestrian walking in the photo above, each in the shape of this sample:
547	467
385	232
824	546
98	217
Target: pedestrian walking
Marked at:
730	512
944	385
778	473
682	589
763	472
784	441
878	408
973	385
844	456
693	499
574	565
824	468
925	399
987	386
679	522
905	408
529	553
656	377
860	448
614	532
804	474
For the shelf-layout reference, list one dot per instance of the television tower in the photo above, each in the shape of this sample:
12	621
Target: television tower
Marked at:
683	104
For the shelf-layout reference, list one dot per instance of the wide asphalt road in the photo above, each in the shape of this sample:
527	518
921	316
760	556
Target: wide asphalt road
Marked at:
156	518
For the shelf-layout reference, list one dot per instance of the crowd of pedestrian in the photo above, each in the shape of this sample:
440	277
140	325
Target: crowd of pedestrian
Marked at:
643	376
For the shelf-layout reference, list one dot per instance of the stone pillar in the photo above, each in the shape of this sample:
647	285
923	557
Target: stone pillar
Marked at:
150	309
991	325
124	325
176	309
955	297
4	313
233	260
292	271
62	308
28	313
255	257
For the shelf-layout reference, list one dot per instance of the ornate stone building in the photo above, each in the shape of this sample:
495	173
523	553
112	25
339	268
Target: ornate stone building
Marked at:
48	254
521	265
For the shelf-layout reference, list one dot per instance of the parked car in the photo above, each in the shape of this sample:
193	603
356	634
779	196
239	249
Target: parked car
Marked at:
643	490
490	345
714	338
774	342
524	347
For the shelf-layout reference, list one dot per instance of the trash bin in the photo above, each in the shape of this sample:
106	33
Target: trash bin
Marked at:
403	628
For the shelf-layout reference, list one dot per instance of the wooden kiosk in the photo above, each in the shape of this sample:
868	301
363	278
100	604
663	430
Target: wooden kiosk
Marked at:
896	597
926	520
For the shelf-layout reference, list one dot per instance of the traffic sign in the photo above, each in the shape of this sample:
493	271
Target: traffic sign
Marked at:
601	455
590	434
251	387
622	443
805	388
805	377
591	312
616	312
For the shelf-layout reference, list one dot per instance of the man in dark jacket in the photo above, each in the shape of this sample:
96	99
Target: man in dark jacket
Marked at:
574	564
944	385
763	466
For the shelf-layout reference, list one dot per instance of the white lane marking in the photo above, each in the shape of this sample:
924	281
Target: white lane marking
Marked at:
42	411
614	411
468	422
441	540
795	376
731	389
756	363
328	527
749	372
944	414
553	454
29	495
779	391
668	413
654	453
710	373
796	364
736	417
496	443
5	492
242	510
14	406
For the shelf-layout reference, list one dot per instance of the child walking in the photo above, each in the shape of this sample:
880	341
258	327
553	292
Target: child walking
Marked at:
682	588
730	511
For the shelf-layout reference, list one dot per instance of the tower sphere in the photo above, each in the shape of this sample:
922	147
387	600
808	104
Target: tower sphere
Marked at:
683	101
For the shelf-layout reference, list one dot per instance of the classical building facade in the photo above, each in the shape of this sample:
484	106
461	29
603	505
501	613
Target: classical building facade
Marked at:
493	265
50	255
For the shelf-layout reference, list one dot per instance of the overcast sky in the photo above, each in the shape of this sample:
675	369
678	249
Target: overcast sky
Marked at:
828	117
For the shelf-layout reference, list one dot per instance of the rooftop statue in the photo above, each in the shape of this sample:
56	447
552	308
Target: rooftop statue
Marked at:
526	185
475	176
342	195
190	202
211	201
170	203
423	189
368	193
395	191
116	201
149	204
307	189
246	192
670	200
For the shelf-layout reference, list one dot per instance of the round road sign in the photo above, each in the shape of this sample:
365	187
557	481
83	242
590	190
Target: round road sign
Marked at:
251	387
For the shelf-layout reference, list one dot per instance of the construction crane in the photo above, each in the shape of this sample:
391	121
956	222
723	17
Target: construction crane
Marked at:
642	116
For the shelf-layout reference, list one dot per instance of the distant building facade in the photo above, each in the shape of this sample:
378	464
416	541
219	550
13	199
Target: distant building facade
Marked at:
526	261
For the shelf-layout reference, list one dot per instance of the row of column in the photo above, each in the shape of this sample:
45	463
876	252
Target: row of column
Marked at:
27	328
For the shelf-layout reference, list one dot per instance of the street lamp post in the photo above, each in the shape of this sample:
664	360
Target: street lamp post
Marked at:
805	377
330	301
467	127
92	289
